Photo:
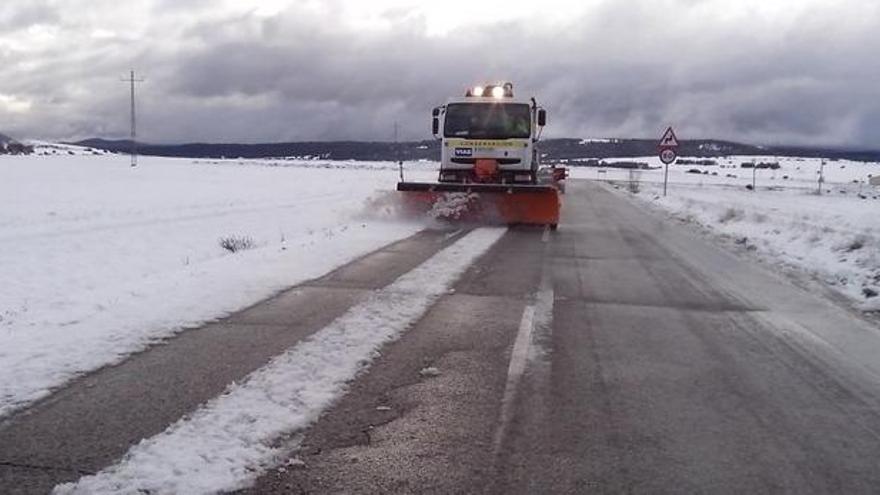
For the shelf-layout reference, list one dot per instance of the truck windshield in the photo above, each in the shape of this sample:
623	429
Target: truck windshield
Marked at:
487	120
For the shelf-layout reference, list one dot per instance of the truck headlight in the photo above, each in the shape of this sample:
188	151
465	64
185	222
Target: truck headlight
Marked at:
498	92
477	91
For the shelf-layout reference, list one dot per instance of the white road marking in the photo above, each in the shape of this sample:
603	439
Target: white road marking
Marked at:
539	312
546	236
230	441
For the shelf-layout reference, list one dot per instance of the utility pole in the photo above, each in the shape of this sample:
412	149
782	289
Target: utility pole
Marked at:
131	80
821	177
397	152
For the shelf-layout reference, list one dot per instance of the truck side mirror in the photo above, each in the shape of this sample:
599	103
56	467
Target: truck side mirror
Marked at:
435	125
436	112
542	117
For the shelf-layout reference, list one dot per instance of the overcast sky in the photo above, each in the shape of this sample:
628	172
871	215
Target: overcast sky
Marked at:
760	71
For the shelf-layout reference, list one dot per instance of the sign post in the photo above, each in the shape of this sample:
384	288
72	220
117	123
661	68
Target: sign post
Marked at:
668	148
754	176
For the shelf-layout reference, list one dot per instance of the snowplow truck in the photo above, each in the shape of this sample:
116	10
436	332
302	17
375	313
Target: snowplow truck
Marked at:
489	162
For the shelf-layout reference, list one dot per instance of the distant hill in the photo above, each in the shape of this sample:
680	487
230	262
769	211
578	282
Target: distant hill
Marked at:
558	149
330	150
831	153
9	146
552	149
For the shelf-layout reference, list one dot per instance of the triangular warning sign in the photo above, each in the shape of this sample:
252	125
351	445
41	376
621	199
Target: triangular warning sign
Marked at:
669	140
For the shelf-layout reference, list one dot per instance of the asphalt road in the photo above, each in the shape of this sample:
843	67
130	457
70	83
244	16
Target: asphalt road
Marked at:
656	363
621	353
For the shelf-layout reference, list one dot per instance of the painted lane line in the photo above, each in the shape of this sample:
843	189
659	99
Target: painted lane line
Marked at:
546	235
228	442
538	313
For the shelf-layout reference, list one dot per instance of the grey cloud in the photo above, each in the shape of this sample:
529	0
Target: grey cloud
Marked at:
16	16
625	69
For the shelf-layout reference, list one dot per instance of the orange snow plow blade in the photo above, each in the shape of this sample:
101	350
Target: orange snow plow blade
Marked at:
483	203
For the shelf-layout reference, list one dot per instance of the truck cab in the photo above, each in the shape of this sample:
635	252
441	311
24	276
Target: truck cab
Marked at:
489	136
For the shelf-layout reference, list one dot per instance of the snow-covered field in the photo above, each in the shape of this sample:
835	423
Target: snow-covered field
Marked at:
835	236
100	259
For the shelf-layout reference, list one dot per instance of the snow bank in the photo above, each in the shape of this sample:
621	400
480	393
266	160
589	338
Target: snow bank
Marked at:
835	236
101	260
229	441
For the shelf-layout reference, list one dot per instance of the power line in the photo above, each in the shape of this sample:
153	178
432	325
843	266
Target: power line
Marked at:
131	80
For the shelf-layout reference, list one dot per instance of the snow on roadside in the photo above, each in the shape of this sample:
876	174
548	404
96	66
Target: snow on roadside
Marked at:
49	148
228	442
835	237
101	260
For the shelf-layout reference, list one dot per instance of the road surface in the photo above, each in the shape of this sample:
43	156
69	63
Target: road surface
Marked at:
622	353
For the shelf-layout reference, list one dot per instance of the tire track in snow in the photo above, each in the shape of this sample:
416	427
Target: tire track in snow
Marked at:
228	442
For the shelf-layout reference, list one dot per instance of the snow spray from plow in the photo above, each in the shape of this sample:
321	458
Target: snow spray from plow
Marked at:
483	203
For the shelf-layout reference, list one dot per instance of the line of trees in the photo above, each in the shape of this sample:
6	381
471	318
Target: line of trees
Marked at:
15	148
